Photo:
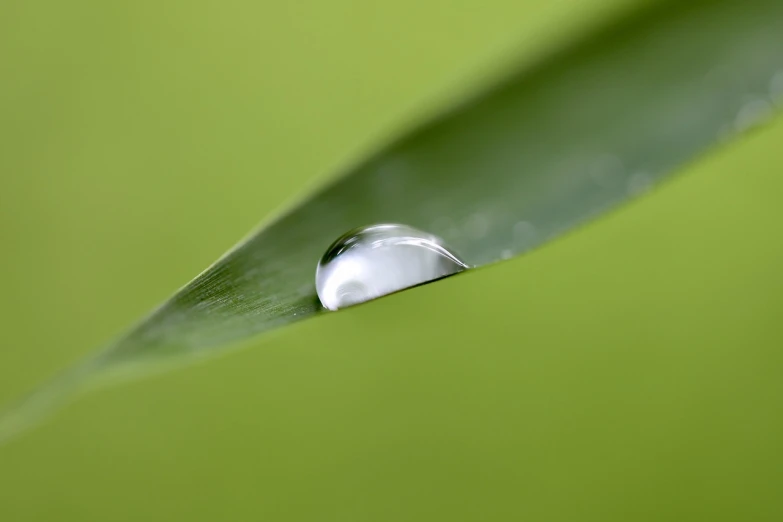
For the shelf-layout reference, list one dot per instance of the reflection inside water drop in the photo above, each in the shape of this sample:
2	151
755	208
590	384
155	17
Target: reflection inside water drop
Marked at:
376	260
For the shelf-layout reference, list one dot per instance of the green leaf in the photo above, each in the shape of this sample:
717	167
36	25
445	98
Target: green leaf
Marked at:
550	146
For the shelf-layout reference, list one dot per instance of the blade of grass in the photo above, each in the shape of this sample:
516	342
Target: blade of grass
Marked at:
549	147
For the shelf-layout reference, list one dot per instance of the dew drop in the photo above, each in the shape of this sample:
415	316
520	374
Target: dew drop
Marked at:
376	260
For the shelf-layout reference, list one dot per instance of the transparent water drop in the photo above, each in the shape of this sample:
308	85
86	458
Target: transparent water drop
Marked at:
376	260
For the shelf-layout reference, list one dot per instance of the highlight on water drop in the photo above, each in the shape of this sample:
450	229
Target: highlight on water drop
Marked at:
372	261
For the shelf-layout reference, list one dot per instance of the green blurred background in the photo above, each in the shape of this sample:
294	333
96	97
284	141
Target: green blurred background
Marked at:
628	371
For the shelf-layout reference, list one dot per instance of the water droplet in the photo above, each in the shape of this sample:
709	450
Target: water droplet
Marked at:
753	113
376	260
